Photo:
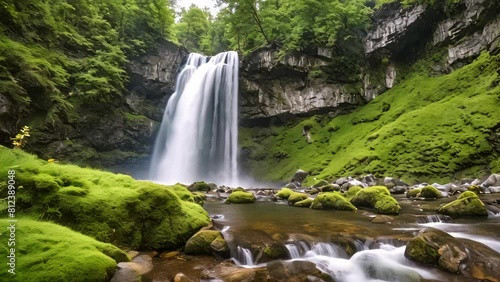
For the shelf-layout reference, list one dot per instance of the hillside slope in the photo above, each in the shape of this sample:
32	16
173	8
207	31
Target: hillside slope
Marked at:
424	129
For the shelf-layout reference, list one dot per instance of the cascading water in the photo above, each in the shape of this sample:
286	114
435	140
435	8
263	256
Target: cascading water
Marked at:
198	135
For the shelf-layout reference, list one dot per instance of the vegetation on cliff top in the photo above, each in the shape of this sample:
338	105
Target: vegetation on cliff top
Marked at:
108	207
54	50
424	129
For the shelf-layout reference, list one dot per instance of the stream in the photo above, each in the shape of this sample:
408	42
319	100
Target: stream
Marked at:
346	245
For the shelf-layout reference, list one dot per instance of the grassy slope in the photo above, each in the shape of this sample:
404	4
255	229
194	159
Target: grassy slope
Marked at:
109	207
434	130
49	252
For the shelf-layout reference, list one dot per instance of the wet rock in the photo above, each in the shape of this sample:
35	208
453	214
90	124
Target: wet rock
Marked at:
181	277
377	197
200	186
207	242
291	185
299	176
369	180
493	180
468	204
494	189
276	271
341	181
132	271
398	189
455	255
312	191
169	255
391	182
382	219
352	183
330	188
274	251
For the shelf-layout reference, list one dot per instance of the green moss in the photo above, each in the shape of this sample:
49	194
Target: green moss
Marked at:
50	252
430	192
332	200
418	250
296	197
306	203
435	127
109	207
284	193
352	192
239	189
240	197
275	251
377	197
200	243
467	205
413	193
474	188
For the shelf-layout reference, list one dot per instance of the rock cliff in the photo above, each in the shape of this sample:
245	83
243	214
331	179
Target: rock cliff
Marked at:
303	83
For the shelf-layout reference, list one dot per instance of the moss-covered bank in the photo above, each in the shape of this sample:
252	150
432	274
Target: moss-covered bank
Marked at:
108	207
49	252
425	128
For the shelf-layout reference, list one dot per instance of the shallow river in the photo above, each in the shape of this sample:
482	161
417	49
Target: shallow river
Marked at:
322	237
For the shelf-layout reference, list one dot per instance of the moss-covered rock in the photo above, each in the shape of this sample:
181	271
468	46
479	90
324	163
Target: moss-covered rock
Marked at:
284	193
296	197
49	252
200	186
430	192
207	242
413	193
332	200
377	197
241	189
349	194
304	203
240	197
467	205
109	207
199	198
274	251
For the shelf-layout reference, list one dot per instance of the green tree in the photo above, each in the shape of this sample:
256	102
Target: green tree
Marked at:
193	28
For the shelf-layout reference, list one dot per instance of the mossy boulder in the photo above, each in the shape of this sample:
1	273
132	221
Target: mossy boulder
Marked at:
413	193
49	252
200	186
430	192
109	207
207	242
332	200
349	194
240	197
377	197
199	197
304	203
296	197
467	205
274	251
284	193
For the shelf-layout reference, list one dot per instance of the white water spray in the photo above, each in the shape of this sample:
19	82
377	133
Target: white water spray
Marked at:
199	132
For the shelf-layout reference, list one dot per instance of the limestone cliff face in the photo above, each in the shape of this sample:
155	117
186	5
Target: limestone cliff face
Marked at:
271	86
300	83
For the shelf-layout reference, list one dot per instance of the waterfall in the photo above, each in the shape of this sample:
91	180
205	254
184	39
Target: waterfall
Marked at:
244	257
198	136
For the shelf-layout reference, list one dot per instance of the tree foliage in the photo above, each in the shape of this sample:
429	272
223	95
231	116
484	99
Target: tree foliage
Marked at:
53	49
